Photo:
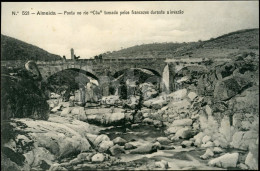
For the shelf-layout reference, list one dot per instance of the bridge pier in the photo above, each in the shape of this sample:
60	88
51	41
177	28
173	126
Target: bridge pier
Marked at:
104	83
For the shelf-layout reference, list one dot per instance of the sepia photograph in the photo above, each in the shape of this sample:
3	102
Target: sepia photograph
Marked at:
134	85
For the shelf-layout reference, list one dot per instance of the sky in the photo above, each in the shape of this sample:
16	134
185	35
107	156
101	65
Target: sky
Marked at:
90	35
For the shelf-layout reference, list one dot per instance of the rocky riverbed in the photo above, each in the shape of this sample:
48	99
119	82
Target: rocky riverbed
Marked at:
210	122
174	131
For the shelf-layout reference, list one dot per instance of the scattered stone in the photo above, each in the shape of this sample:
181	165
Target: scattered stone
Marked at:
198	138
116	149
180	105
120	141
158	104
251	161
163	140
74	161
134	125
91	137
85	156
177	95
101	138
110	100
207	154
186	144
57	108
192	96
164	108
208	110
157	145
57	167
246	125
205	139
157	123
216	143
129	146
148	121
99	157
184	133
144	149
226	160
217	150
145	115
182	122
65	111
162	164
172	129
237	140
105	145
116	117
208	144
78	110
242	166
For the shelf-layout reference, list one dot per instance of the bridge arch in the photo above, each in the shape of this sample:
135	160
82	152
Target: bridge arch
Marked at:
144	70
77	70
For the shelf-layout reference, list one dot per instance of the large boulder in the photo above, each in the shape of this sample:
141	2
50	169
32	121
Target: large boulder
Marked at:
107	118
182	122
231	86
100	139
110	100
247	101
66	111
105	145
129	146
156	103
184	133
21	97
192	96
99	157
42	155
207	154
79	113
146	148
116	150
177	95
178	105
237	141
172	129
119	141
148	90
163	140
226	160
251	161
163	165
42	142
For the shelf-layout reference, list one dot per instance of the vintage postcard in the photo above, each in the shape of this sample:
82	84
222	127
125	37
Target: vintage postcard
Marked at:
149	85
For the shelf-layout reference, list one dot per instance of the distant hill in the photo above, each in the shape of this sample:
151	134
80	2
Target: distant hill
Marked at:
13	49
222	46
146	51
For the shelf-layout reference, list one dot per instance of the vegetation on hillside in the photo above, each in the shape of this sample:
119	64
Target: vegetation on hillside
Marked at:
242	39
13	49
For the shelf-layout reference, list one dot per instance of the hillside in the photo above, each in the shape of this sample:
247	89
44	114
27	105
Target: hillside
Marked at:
158	50
13	49
222	46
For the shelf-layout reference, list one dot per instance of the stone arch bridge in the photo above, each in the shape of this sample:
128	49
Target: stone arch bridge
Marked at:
101	68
